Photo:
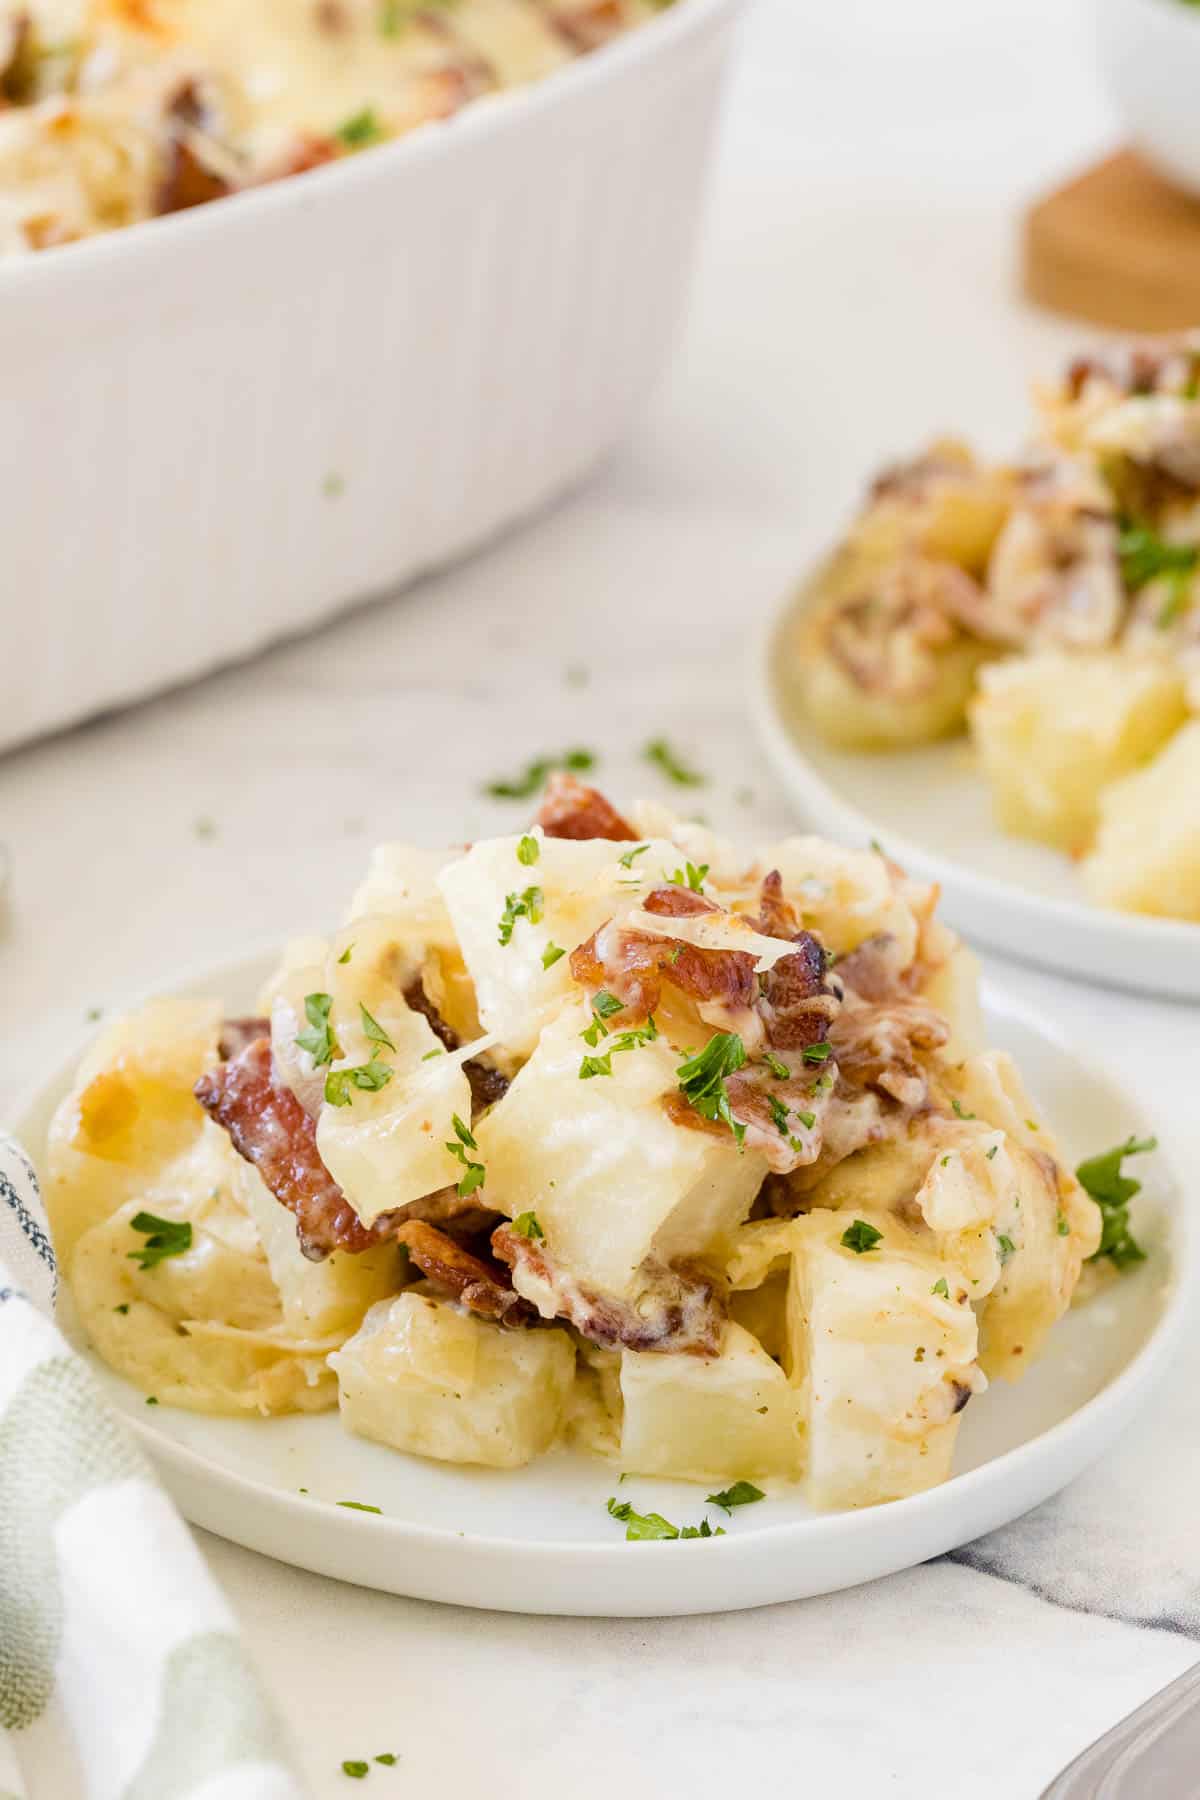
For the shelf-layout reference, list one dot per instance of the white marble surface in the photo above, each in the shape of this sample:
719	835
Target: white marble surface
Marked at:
855	293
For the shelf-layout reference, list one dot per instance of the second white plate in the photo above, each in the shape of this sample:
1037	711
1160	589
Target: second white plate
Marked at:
930	809
539	1539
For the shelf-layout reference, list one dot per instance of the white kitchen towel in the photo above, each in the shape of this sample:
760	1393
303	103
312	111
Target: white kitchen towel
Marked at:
109	1620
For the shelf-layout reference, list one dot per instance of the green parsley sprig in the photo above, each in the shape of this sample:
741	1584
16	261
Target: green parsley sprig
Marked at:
690	877
526	905
164	1238
742	1493
861	1237
474	1174
645	1527
703	1076
660	753
320	1039
532	778
1104	1179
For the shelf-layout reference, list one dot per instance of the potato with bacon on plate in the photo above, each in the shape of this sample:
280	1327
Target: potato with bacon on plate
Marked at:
605	1131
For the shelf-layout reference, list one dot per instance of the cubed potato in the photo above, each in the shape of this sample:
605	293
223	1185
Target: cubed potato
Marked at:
883	1364
401	885
610	1177
424	1375
696	1418
201	1329
319	1299
574	888
388	1148
1146	856
130	1113
1053	730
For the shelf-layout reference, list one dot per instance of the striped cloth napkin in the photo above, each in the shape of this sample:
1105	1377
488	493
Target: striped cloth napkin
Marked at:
110	1626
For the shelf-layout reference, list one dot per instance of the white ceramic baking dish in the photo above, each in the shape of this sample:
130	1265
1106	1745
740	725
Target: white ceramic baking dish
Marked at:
221	426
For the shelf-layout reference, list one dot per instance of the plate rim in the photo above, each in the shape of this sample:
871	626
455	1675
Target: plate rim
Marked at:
1076	919
1072	1442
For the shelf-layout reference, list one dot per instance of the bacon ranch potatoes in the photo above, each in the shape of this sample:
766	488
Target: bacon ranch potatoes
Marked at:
1053	609
113	111
604	1132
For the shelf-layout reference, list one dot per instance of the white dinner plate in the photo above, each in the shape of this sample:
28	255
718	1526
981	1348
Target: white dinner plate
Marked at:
540	1540
931	809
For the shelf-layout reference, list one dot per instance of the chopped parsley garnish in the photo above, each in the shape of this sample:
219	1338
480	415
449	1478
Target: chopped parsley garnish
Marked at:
702	1079
551	954
779	1069
526	905
659	752
1145	556
430	1054
346	953
643	1527
1103	1178
624	1040
375	1034
528	851
779	1114
742	1493
824	1084
992	1152
690	877
942	1287
525	785
387	1759
807	1119
525	1225
626	861
358	1506
959	1111
391	18
361	129
818	1053
1005	1246
123	1308
319	1039
164	1238
368	1077
355	1770
604	1004
474	1174
151	1399
1064	1229
860	1236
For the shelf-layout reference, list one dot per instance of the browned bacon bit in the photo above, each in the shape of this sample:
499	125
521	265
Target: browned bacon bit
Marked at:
237	1033
797	1004
487	1084
877	1046
682	1308
571	810
484	1287
589	26
18	59
186	181
269	1127
875	971
673	902
635	966
777	917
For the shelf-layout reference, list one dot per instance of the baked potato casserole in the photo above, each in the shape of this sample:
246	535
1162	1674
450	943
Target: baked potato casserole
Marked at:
604	1133
1051	607
112	111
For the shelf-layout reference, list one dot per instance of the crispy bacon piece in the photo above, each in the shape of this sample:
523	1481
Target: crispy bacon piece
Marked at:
777	917
681	1310
877	1046
571	810
797	1004
487	1084
18	59
484	1287
635	966
674	902
236	1034
876	970
186	182
269	1127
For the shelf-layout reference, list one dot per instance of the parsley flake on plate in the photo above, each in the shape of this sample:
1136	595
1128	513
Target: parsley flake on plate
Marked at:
525	785
861	1237
357	1771
164	1238
645	1527
742	1493
358	1506
660	753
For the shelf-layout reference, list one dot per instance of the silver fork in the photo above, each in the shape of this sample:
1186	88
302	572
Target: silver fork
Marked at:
1154	1754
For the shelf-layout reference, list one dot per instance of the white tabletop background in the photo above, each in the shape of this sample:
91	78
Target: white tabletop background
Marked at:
855	293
